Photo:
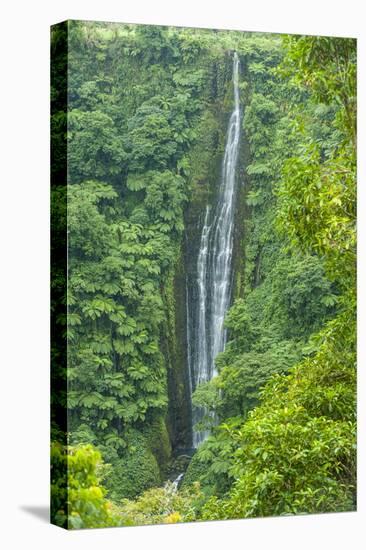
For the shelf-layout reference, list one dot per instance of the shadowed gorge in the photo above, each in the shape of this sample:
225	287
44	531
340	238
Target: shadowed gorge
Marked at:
214	268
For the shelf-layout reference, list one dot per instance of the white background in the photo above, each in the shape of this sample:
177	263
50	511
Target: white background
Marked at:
24	198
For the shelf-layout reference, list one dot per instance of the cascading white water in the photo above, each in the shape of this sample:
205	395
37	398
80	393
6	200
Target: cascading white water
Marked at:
202	366
214	268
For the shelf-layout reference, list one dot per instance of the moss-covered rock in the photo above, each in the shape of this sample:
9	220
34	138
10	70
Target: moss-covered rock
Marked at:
136	471
157	437
195	472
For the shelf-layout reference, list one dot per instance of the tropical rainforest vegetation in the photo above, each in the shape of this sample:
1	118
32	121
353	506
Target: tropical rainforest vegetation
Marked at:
139	117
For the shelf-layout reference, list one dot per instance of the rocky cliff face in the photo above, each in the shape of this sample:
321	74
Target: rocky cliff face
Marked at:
206	162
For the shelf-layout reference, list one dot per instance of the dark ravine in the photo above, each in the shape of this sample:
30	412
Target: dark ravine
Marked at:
205	191
214	267
182	291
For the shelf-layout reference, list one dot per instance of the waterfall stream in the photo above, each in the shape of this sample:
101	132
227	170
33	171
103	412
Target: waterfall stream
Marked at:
206	335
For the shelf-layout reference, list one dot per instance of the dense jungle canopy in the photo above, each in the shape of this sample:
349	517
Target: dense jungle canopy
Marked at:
139	116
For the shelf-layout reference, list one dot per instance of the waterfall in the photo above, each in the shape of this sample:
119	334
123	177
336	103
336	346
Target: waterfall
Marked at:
207	336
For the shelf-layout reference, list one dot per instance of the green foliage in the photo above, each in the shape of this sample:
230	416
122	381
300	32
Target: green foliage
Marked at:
240	381
295	452
77	497
136	470
318	195
328	67
147	109
318	208
154	44
162	505
210	466
150	139
115	313
195	472
260	116
301	298
269	333
95	150
157	438
129	131
287	294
